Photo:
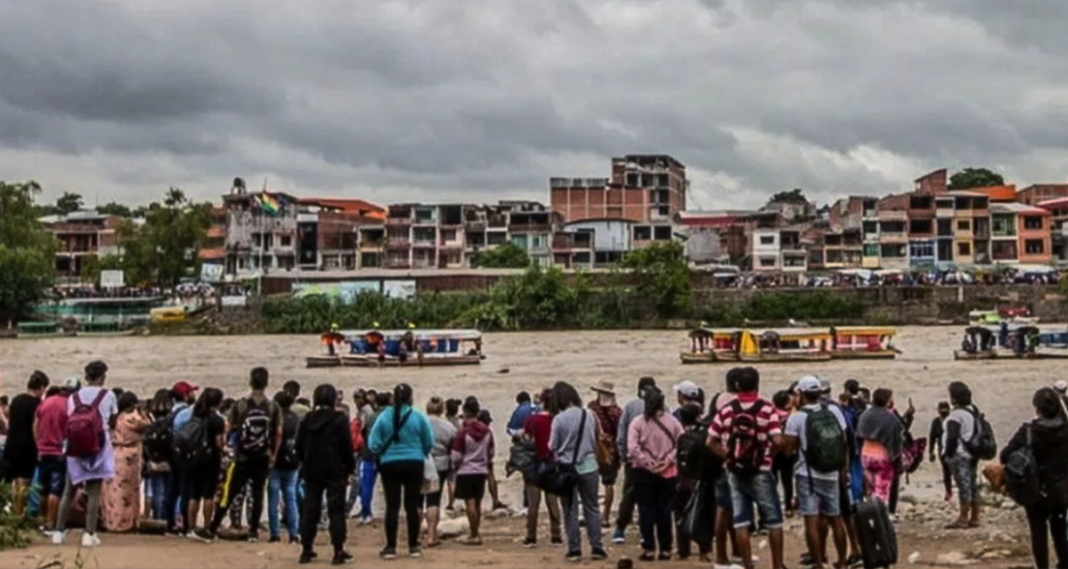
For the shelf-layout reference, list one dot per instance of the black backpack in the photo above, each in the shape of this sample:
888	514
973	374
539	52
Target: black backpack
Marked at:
745	451
287	454
1021	474
191	445
983	445
696	461
159	439
256	429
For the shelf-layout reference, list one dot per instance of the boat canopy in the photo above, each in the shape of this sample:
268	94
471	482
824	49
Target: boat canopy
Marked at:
462	335
863	331
797	333
713	332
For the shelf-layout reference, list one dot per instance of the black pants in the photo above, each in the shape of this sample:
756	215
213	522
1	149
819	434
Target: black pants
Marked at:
313	510
783	468
686	488
1044	521
895	493
406	475
250	469
174	493
656	503
626	503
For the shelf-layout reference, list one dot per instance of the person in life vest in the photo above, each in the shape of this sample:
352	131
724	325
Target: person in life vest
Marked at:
332	339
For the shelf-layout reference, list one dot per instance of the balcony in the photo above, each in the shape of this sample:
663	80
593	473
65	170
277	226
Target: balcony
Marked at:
372	244
398	221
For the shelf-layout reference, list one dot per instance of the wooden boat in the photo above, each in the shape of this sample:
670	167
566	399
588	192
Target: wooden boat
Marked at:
757	346
105	330
863	342
1019	316
1024	342
1008	355
323	361
412	348
37	330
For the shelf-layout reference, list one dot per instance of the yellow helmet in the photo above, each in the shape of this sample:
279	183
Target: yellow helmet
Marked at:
335	327
411	325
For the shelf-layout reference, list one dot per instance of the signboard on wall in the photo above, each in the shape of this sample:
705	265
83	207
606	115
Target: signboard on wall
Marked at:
398	289
211	272
349	290
112	279
346	291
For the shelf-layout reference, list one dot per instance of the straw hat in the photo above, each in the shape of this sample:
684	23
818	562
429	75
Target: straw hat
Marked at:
604	386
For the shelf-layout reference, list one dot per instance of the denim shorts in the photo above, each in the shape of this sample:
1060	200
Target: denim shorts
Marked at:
52	475
965	474
723	493
818	497
761	489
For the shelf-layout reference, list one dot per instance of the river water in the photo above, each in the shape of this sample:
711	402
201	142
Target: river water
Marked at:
518	361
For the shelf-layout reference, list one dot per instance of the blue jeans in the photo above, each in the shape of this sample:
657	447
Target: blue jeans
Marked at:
759	488
368	472
283	482
818	497
159	484
354	491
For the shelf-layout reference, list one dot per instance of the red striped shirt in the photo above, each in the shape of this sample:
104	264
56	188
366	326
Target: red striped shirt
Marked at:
768	423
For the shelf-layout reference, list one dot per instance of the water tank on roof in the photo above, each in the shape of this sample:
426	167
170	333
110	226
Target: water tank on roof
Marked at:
238	187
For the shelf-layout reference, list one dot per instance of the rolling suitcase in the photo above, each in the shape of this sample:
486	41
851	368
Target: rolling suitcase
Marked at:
875	531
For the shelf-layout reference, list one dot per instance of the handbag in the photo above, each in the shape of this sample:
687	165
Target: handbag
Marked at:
699	518
558	478
431	481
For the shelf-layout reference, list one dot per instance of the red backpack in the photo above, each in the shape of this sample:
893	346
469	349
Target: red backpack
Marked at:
85	428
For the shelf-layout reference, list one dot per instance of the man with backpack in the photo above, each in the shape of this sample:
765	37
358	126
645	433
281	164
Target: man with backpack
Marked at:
283	478
159	443
817	434
968	439
745	433
90	460
257	421
695	505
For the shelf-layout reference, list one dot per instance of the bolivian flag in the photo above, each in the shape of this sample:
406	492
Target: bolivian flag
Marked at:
270	204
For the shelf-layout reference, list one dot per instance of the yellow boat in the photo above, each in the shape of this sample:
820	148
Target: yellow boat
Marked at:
863	342
168	314
758	346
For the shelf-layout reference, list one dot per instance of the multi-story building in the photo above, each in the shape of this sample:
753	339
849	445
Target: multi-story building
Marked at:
213	250
592	243
1058	221
1038	193
778	249
80	235
643	188
1020	234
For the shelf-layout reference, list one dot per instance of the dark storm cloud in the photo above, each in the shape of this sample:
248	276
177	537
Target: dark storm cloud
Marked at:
485	99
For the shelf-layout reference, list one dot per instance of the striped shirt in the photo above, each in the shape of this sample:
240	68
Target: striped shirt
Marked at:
769	424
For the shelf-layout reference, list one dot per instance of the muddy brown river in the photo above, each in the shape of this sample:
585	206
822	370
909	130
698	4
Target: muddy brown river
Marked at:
518	361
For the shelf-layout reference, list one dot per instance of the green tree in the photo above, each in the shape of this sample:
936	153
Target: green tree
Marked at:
505	256
662	276
92	265
796	195
975	178
27	252
165	248
69	203
114	208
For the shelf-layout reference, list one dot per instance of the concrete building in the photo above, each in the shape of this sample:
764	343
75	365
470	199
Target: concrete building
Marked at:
1038	193
80	235
778	249
592	243
1058	222
1020	234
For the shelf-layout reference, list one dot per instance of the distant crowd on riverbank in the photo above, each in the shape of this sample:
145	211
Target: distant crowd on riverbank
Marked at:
703	473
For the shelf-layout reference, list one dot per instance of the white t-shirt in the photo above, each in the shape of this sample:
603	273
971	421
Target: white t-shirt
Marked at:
795	427
108	406
967	430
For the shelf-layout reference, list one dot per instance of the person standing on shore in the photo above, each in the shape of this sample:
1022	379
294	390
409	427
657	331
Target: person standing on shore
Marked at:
282	482
324	447
472	457
257	420
122	494
50	428
608	414
185	395
572	441
631	411
444	433
20	452
651	444
537	428
90	457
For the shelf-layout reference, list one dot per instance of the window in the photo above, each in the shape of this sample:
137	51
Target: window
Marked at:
1003	250
1033	222
964	249
286	241
964	225
767	239
662	233
1034	246
767	262
892	251
924	249
871	250
643	233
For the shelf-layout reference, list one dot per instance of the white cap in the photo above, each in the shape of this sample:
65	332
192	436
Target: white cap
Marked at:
688	389
809	384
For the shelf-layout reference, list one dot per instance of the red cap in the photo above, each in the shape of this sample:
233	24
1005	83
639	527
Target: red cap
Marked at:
184	389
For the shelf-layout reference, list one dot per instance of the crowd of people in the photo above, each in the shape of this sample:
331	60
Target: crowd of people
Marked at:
703	473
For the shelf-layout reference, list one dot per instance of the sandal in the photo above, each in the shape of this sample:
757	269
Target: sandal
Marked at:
433	544
973	525
956	525
472	541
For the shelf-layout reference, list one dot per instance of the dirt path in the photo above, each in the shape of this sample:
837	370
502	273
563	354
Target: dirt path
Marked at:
501	550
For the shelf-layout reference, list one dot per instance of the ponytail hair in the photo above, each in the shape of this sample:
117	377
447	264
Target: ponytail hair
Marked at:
654	402
402	395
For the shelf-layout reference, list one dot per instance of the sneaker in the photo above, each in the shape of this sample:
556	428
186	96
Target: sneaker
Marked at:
530	543
253	537
855	561
294	540
598	554
90	540
274	539
341	558
415	552
307	557
173	532
556	542
58	537
619	537
573	557
366	521
388	553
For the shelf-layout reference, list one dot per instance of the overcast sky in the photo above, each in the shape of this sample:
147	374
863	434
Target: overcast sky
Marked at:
478	100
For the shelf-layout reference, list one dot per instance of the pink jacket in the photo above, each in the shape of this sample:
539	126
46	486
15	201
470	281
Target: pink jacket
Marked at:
652	442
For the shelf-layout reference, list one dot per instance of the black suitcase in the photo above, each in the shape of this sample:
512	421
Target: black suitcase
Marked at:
875	531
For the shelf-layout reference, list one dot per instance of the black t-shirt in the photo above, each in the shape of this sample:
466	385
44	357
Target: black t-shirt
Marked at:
214	427
21	415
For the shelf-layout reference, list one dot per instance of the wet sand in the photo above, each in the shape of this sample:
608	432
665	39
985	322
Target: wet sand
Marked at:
1002	389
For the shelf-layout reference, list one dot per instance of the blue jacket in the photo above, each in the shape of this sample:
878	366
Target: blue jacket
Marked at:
519	417
414	442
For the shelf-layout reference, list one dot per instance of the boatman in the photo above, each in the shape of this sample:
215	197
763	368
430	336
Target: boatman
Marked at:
332	339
